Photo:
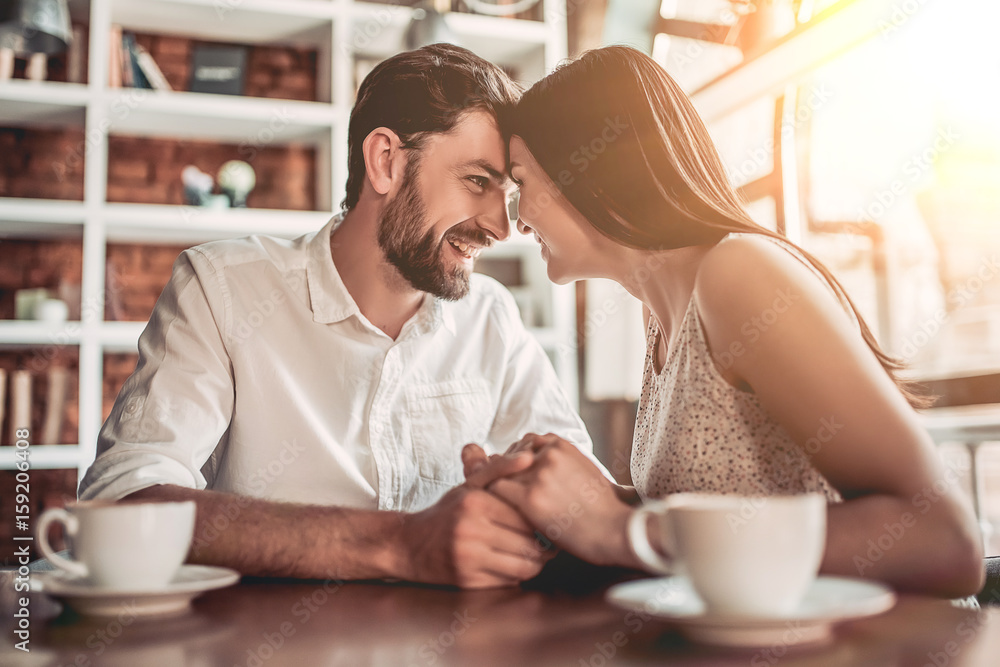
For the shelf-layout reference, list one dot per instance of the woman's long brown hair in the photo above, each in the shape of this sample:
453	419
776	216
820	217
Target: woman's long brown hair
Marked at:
625	146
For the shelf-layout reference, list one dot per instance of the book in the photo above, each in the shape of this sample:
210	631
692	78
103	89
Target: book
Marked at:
3	398
218	69
152	71
20	403
76	57
126	63
115	57
129	47
55	406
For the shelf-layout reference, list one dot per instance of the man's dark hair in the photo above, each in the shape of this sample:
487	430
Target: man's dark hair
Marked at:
419	92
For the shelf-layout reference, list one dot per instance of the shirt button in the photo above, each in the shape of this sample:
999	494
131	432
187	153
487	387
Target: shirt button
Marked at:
389	504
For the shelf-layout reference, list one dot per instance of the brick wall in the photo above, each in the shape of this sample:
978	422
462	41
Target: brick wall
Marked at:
39	163
136	274
56	265
148	171
48	164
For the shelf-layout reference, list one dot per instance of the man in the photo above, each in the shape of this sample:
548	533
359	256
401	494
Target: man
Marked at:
313	396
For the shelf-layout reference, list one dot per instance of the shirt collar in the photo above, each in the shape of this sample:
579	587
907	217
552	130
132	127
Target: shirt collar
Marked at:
329	298
331	302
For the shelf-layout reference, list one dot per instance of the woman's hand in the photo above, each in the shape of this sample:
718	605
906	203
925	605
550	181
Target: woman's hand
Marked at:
566	497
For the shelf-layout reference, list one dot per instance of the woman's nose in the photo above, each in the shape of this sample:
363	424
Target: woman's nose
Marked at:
521	227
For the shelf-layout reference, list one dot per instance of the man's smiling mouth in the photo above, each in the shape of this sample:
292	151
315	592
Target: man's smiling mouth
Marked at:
467	249
468	244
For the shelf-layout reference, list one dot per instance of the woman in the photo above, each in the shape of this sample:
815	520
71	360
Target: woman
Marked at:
761	378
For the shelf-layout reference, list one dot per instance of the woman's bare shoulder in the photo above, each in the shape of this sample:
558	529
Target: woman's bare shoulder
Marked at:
746	275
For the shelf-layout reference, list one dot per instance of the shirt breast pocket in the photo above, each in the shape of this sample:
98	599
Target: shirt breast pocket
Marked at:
444	417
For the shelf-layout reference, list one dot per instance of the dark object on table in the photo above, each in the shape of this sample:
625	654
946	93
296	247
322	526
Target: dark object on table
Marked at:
570	574
218	69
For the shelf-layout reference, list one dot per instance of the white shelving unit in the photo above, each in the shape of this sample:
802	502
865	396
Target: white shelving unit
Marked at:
340	31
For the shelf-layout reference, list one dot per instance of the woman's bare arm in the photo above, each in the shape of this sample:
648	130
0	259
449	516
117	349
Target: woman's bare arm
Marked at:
904	519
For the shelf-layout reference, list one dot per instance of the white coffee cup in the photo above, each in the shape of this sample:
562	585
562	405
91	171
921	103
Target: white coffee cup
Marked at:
123	546
744	556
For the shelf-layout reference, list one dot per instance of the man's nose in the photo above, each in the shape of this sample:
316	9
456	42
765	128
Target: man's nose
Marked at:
494	219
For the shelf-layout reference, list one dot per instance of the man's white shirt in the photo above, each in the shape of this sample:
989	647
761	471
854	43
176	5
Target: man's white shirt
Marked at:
259	375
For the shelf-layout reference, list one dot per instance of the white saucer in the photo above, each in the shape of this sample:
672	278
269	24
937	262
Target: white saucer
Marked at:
828	601
86	598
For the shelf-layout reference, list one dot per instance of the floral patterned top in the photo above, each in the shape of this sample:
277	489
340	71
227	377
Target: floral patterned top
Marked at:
695	431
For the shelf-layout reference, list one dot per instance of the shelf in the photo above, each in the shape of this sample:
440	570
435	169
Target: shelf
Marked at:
500	40
133	111
42	456
304	23
121	337
41	218
42	103
31	333
378	31
150	223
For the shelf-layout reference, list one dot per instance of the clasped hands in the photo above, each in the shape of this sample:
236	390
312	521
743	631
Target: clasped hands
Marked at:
484	533
558	491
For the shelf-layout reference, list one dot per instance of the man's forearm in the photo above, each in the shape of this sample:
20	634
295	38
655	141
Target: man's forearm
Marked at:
258	537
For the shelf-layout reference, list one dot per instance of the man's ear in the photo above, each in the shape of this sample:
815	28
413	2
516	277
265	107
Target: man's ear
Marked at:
384	160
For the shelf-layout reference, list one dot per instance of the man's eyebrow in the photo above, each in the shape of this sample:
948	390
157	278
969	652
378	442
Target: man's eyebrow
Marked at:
498	177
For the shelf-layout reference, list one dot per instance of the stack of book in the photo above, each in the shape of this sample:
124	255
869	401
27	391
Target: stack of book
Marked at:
131	65
20	417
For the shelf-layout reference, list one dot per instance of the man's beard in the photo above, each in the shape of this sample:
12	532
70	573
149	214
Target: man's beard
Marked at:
416	255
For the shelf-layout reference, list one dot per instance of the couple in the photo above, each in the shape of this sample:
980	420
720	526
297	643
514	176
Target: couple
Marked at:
315	397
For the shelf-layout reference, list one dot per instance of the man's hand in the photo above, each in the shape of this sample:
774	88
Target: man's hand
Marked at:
471	538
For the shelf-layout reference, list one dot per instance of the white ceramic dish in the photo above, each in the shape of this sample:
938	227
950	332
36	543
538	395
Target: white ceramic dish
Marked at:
830	600
174	598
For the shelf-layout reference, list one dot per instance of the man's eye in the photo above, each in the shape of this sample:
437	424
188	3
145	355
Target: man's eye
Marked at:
481	181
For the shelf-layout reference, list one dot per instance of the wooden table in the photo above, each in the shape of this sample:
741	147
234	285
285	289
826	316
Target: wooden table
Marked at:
308	624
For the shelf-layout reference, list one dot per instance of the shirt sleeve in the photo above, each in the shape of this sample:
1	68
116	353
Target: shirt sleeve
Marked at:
174	409
533	400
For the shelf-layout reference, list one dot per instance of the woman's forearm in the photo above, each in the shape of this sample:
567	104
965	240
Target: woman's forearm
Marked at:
921	544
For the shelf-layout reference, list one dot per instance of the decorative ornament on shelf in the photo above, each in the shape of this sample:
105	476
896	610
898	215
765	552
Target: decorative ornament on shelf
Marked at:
197	185
33	28
428	26
236	180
